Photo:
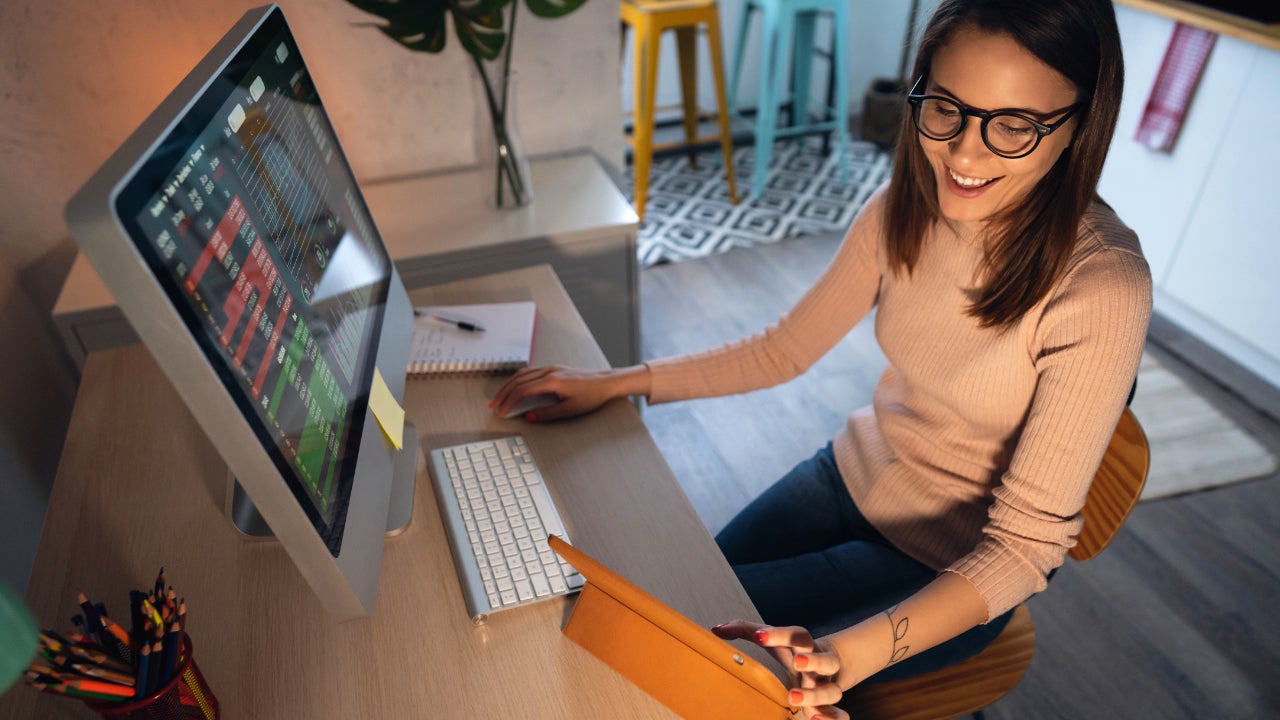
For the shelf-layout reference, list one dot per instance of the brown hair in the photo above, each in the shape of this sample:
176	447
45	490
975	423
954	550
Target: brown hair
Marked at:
1029	245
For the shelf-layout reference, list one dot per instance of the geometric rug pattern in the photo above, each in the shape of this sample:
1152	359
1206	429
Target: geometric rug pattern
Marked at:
1194	446
688	213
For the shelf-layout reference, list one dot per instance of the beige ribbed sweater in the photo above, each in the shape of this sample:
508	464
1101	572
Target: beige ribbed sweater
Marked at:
980	444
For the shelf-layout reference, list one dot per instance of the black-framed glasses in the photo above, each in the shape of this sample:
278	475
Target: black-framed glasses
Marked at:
1006	133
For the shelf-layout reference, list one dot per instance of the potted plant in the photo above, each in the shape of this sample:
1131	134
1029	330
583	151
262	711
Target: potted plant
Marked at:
486	33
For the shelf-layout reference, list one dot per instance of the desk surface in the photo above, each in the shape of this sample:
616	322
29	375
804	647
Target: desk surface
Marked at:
574	199
140	486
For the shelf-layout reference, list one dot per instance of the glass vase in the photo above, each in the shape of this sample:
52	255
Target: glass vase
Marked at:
503	160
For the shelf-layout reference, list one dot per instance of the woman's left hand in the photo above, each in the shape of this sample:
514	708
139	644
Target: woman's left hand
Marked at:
814	663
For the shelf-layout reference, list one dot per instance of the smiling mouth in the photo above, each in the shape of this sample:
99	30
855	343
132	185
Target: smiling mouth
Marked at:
969	183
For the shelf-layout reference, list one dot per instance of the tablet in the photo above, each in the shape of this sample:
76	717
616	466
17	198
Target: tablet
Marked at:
678	662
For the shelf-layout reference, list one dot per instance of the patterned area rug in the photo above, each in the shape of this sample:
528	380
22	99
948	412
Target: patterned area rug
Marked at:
688	213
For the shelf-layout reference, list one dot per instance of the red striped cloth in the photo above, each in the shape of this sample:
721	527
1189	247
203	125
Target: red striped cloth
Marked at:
1180	70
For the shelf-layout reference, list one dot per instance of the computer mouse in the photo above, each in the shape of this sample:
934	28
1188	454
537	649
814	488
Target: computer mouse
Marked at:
531	403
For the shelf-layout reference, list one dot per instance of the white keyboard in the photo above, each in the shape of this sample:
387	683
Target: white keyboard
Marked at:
498	514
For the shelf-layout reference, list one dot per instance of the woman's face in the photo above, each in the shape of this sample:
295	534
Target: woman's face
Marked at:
993	72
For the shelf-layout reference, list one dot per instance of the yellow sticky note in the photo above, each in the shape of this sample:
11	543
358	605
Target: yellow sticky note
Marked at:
388	412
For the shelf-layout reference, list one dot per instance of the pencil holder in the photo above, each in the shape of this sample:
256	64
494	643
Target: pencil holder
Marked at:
186	695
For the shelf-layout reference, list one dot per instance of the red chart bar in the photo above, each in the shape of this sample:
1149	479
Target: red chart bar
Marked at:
218	244
271	347
259	273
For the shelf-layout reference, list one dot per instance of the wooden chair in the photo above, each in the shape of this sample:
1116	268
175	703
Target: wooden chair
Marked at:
969	686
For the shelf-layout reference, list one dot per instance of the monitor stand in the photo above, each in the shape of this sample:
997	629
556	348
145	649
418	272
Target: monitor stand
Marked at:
244	516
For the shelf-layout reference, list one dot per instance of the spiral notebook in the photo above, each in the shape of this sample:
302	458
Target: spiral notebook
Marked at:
464	339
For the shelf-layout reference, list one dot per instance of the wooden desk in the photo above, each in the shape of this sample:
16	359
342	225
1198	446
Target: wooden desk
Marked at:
140	487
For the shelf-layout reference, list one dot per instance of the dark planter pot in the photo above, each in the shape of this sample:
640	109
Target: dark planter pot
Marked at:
883	106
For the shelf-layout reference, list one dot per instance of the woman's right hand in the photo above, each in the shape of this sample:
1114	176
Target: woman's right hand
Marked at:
579	391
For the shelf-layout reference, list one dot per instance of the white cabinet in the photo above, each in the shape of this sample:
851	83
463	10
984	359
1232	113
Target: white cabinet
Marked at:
437	229
1208	214
1228	266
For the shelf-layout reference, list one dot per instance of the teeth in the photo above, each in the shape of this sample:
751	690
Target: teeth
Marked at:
968	182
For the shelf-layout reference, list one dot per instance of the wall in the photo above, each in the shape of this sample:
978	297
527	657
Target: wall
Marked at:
76	77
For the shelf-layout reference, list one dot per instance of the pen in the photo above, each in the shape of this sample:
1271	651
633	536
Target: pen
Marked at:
460	324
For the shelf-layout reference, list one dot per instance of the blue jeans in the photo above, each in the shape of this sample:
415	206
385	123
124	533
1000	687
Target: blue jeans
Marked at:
806	556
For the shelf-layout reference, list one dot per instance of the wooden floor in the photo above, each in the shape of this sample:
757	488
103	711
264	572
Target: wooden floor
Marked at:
1177	619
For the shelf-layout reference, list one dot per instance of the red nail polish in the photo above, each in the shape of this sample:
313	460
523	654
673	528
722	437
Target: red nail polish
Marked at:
802	662
762	636
795	697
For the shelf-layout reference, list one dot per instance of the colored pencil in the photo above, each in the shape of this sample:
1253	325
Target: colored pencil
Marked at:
98	686
101	673
99	661
150	612
172	641
144	671
116	631
92	621
62	689
153	677
92	655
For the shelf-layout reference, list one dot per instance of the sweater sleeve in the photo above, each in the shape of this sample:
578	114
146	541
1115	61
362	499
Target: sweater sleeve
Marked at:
842	296
1086	348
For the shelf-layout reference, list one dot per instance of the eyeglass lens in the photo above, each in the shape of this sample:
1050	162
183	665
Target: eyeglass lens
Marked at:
1005	133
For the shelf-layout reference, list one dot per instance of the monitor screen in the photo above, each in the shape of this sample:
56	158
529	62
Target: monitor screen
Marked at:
231	231
251	220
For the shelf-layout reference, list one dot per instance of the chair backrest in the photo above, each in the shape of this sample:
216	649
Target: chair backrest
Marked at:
1115	488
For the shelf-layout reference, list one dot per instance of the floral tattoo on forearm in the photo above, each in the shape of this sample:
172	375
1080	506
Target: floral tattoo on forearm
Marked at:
899	628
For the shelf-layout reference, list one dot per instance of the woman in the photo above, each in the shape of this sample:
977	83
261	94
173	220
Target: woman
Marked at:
1012	306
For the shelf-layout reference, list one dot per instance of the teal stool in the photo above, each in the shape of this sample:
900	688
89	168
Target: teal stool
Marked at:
783	21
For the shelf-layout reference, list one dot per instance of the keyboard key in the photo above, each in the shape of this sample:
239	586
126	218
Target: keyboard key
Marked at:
541	587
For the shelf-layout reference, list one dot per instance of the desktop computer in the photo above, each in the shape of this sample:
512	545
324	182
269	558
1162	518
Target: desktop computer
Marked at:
232	233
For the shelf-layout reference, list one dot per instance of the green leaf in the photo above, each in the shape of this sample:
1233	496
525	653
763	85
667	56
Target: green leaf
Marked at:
420	24
478	24
416	24
553	8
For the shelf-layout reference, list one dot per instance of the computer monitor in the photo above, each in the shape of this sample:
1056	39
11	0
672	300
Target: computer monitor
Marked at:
232	233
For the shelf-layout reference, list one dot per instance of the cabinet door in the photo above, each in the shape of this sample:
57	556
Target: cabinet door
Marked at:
1228	267
1155	193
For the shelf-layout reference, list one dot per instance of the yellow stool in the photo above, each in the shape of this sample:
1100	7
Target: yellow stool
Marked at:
649	19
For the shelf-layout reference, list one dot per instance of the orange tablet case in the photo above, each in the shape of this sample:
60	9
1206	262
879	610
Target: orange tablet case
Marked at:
678	662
